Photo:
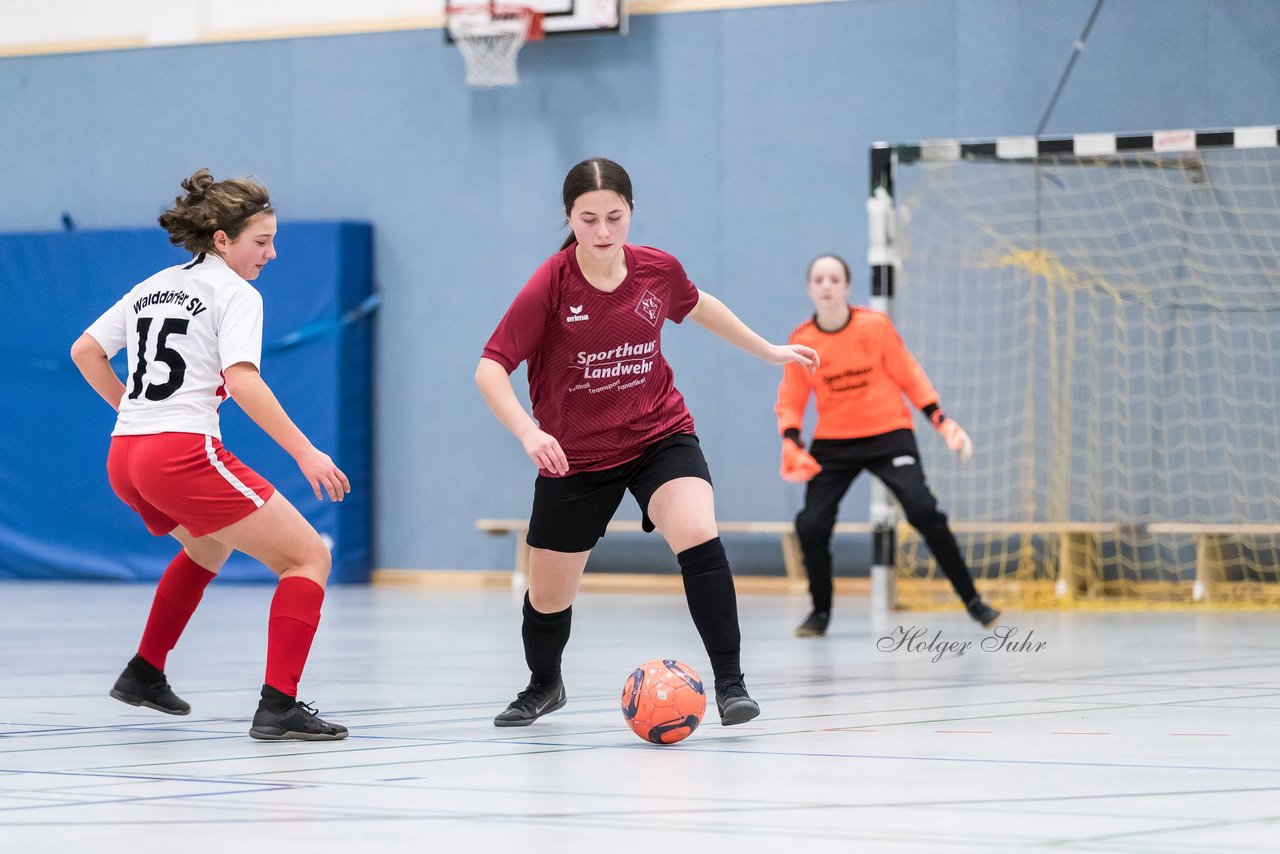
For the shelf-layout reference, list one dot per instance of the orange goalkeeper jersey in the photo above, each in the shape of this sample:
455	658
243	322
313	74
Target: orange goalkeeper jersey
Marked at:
864	372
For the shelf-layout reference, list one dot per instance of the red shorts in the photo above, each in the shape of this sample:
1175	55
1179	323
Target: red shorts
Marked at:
186	479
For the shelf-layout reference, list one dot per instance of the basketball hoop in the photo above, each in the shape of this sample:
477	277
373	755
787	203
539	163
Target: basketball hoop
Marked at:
489	36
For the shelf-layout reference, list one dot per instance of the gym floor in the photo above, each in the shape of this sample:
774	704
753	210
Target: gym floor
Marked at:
1125	732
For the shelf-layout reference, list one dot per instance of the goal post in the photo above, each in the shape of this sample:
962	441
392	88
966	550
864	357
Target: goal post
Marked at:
1102	314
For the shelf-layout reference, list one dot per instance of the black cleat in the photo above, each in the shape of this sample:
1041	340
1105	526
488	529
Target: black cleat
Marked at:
141	684
735	704
982	612
280	716
532	703
814	625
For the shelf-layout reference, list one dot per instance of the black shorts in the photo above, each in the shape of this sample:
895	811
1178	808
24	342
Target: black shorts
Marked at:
570	513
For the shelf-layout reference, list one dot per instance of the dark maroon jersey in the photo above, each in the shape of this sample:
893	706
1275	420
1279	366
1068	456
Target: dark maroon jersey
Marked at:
597	378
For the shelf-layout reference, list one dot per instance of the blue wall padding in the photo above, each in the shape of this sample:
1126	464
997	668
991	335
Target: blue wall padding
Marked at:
58	515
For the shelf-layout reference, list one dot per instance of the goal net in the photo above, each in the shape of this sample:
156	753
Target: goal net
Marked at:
1106	326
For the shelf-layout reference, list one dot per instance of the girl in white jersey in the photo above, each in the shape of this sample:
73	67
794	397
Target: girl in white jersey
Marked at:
194	336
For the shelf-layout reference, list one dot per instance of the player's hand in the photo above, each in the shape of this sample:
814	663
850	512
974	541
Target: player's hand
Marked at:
784	354
957	439
323	475
545	452
797	465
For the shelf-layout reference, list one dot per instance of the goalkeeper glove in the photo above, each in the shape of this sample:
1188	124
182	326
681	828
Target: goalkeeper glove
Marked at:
797	465
957	439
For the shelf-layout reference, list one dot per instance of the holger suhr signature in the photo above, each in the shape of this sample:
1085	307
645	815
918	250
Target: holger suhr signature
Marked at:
917	639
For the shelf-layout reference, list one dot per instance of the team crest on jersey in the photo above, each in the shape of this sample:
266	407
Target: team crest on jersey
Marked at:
649	308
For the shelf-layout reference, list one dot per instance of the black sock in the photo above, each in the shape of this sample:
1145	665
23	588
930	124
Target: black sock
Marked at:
713	603
545	637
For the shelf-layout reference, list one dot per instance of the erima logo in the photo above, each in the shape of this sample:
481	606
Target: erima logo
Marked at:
899	462
577	314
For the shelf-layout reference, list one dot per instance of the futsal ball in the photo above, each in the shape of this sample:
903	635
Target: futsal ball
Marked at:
663	701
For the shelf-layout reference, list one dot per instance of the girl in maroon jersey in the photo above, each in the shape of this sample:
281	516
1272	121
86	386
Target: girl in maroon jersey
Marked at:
609	419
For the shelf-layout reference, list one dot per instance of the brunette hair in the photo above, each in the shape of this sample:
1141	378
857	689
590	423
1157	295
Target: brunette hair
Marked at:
590	175
848	277
210	206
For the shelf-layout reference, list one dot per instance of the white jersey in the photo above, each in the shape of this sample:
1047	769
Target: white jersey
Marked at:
183	327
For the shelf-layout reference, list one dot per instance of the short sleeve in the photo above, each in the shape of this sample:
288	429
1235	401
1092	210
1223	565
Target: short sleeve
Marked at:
521	329
684	295
240	329
109	329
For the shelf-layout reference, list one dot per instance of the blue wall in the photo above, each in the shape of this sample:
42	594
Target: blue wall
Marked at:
745	132
53	443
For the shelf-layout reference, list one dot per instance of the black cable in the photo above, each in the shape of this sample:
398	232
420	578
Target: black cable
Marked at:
1076	48
1066	72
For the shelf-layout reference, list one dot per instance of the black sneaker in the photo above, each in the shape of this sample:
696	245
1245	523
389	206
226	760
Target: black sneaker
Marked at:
141	684
814	625
280	716
982	612
735	704
532	703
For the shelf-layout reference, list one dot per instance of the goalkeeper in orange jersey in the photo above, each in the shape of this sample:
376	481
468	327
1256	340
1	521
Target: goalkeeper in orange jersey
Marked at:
863	423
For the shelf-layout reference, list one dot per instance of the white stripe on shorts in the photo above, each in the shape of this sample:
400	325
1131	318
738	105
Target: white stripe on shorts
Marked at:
212	453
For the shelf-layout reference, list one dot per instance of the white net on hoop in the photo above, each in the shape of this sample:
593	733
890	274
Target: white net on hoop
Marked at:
489	40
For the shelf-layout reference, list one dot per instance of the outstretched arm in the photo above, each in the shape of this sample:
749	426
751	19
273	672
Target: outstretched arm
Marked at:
907	373
495	387
247	388
715	316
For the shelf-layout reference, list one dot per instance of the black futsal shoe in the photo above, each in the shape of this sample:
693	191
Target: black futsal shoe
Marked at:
141	684
280	716
814	625
982	612
532	703
735	704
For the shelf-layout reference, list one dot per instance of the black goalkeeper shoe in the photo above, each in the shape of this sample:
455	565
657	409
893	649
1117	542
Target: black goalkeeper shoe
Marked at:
982	612
735	704
814	625
280	717
141	684
532	703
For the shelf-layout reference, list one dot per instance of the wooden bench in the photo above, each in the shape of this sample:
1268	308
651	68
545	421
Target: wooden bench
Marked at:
1080	543
1209	538
1077	552
792	561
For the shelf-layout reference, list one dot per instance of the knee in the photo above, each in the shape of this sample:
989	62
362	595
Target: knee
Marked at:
924	514
210	554
695	535
312	560
549	602
811	527
687	530
323	559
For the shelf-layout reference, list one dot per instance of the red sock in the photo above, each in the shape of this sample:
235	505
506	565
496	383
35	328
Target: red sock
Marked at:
295	613
177	596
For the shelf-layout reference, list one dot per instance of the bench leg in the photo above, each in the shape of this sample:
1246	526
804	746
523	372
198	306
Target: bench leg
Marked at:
520	577
1075	565
1209	566
793	558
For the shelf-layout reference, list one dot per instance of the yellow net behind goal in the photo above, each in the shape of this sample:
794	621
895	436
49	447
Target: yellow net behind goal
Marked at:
1107	329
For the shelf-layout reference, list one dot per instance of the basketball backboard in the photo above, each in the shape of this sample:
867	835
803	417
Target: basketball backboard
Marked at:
572	17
